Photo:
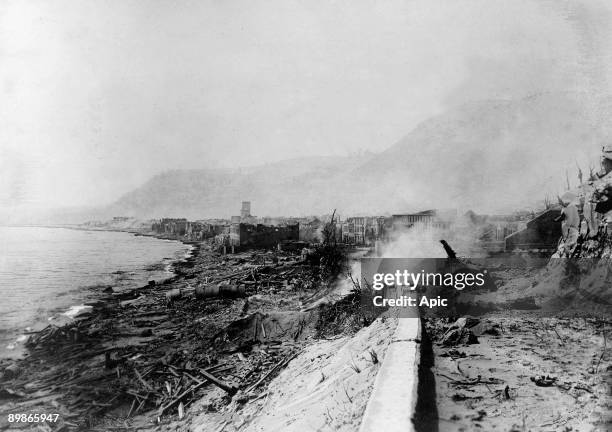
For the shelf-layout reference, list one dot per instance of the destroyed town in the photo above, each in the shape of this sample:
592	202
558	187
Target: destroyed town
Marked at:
306	216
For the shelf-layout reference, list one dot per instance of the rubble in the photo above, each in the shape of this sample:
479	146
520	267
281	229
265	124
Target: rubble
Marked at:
227	321
543	381
488	385
460	333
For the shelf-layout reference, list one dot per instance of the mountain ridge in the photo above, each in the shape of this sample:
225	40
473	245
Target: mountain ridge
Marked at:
492	156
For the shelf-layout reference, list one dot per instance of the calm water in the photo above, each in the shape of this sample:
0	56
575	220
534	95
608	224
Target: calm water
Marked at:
45	271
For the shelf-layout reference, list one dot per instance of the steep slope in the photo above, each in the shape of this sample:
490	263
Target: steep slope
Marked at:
491	156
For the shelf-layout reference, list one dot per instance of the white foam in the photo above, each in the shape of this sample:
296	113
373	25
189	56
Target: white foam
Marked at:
77	310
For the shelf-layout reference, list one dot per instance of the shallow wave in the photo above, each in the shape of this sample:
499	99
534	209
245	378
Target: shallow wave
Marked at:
46	271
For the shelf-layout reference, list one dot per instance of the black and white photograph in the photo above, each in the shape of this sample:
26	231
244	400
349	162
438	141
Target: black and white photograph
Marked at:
306	215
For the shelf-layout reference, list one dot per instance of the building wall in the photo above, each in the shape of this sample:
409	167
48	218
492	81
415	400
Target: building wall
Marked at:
542	232
362	230
184	229
425	219
177	227
248	235
245	211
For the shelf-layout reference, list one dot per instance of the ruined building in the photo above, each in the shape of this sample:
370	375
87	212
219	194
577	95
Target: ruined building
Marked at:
185	230
170	226
245	214
541	233
245	211
422	220
363	230
245	232
262	236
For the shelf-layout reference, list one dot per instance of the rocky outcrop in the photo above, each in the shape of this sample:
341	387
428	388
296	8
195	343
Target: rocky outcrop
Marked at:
587	221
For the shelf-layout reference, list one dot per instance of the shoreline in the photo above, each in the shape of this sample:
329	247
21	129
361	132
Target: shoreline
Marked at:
147	335
63	315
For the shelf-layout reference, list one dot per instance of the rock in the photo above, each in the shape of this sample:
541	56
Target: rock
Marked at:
543	381
458	336
133	302
486	327
173	295
467	329
11	371
454	353
465	322
470	338
78	311
6	393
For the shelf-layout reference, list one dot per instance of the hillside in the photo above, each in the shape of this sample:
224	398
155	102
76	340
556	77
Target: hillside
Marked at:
491	156
281	188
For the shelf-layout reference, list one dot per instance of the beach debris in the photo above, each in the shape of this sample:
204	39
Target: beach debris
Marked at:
109	362
133	302
172	296
220	290
486	327
11	371
77	311
585	387
132	350
543	381
475	381
458	397
460	332
7	393
449	250
180	398
454	353
481	415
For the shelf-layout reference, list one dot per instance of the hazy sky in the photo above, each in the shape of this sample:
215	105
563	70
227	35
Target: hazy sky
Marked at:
98	96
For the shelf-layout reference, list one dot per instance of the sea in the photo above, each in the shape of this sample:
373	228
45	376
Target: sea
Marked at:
50	273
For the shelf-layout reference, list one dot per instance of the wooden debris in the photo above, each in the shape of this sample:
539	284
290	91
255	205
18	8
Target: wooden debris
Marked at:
231	390
96	363
179	398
